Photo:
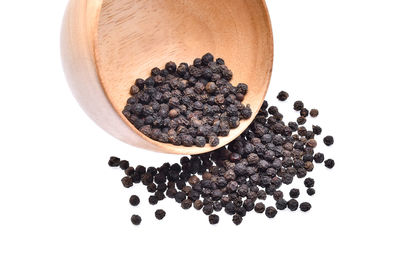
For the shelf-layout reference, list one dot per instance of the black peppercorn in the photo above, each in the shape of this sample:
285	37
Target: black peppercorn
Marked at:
259	207
305	206
213	219
160	214
281	204
153	200
208	209
113	162
319	157
294	193
328	140
270	212
298	105
237	219
309	182
311	191
304	112
127	182
292	204
301	120
134	200
136	220
316	129
314	112
329	163
123	164
283	95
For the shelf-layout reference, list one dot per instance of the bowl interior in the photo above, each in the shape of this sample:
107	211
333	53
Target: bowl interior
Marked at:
134	36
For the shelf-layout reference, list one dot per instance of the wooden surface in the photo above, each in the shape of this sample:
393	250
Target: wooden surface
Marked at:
108	44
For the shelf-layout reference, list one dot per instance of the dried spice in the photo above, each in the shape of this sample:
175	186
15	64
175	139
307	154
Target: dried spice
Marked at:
160	214
267	155
136	220
134	200
314	112
283	95
187	104
328	140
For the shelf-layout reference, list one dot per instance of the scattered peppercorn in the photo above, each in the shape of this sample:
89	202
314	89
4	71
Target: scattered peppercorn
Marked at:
329	163
283	95
310	191
293	204
213	219
270	212
237	220
267	155
134	200
136	220
301	120
314	112
294	193
305	206
328	140
160	214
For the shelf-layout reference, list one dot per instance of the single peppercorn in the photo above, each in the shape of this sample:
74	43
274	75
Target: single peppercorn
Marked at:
317	129
281	204
136	220
319	157
311	191
213	219
237	219
259	207
186	204
293	204
328	140
314	112
134	200
294	193
113	162
153	200
270	212
298	105
123	164
283	95
301	120
304	112
198	204
127	182
309	182
329	163
160	214
305	206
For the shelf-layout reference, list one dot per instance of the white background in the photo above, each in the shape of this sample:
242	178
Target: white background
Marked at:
58	198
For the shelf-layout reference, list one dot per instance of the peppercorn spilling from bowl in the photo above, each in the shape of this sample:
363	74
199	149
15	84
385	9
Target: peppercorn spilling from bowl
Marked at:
189	105
239	177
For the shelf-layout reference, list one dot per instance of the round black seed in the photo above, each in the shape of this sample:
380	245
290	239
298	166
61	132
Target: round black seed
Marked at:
294	193
309	182
316	129
124	164
329	163
319	157
179	197
311	191
314	112
114	162
153	200
127	182
160	214
237	219
198	204
301	120
292	204
283	95
304	112
305	206
213	219
270	212
136	220
328	140
298	105
134	200
260	207
208	209
281	204
186	204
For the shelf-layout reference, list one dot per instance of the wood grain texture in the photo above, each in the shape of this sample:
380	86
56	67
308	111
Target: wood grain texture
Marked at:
108	44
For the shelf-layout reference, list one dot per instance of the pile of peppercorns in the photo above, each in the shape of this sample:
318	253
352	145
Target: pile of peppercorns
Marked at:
239	176
188	104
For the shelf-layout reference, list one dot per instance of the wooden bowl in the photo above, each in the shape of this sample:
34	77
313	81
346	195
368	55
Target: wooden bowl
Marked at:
107	44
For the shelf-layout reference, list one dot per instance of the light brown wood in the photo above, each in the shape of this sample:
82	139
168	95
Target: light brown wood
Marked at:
107	44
